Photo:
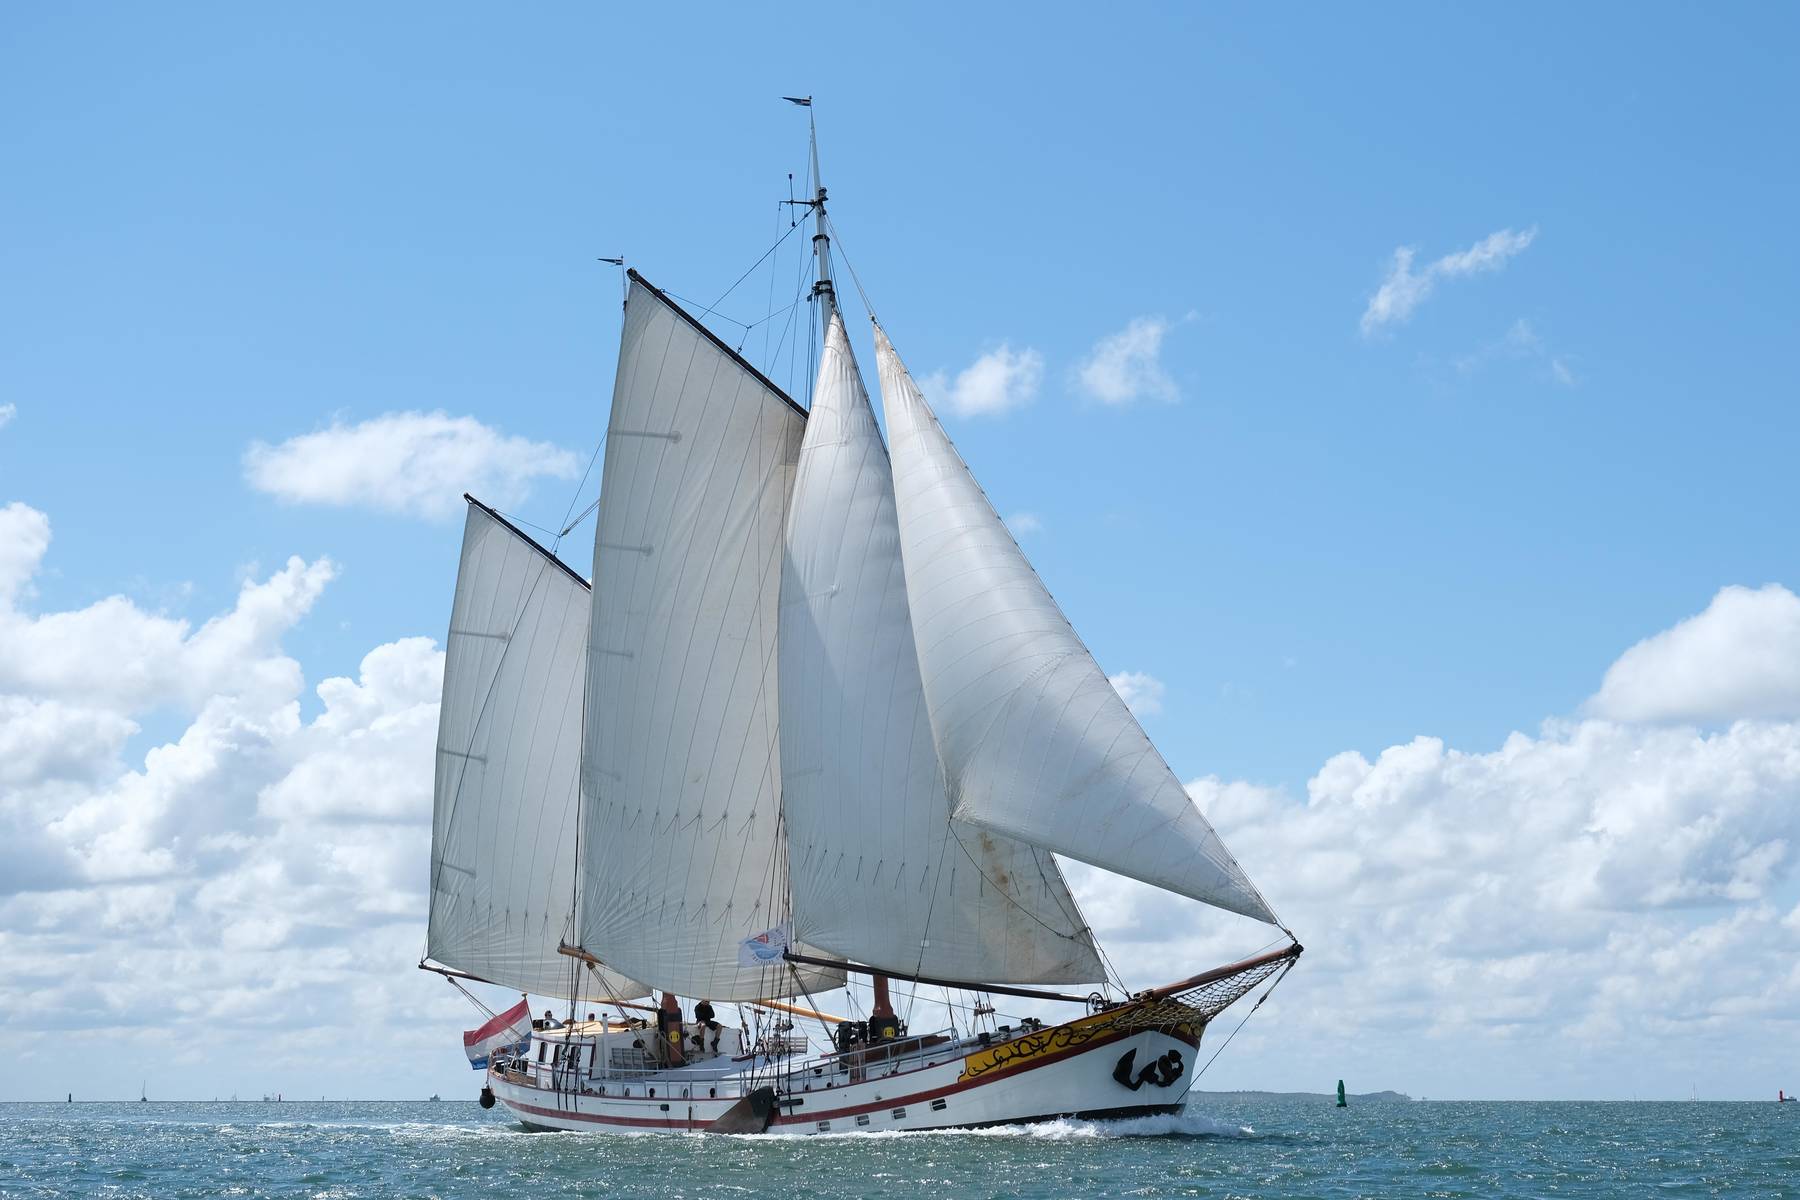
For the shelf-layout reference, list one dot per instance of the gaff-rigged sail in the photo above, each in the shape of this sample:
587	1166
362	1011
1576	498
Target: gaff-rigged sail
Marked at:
880	872
682	854
1034	741
508	758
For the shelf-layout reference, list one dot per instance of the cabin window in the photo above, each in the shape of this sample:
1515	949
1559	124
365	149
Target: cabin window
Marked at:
939	1105
543	1051
899	1114
824	1126
862	1118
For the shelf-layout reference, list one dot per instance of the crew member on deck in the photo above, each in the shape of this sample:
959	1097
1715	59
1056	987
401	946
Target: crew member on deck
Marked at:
709	1024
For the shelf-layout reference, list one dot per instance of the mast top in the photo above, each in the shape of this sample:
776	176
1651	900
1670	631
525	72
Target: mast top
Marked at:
823	289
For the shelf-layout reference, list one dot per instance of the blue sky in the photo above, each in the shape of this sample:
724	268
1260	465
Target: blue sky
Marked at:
227	226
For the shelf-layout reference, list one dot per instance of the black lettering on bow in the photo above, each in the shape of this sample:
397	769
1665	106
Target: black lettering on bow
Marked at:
1163	1072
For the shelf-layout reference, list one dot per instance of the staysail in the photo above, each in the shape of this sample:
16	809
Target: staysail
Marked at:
681	791
508	759
880	873
1034	741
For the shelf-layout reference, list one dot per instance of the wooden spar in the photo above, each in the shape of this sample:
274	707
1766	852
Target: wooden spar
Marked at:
577	952
797	1011
593	963
452	973
998	989
1226	972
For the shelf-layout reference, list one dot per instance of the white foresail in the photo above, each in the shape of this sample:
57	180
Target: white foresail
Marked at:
1034	741
682	853
880	873
508	764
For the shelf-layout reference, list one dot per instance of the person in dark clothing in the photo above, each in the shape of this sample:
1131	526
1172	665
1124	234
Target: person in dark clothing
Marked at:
709	1024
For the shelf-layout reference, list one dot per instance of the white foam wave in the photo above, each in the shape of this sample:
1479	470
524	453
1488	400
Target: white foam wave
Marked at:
1176	1124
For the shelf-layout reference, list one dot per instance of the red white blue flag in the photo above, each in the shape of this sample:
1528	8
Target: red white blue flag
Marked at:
510	1028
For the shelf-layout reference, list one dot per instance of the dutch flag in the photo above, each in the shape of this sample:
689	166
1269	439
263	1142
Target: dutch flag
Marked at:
512	1027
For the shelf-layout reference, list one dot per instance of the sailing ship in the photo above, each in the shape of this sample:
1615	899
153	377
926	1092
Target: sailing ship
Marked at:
815	719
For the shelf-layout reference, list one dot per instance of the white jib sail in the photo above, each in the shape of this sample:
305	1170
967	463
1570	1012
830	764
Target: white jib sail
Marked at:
1034	741
508	761
879	871
681	846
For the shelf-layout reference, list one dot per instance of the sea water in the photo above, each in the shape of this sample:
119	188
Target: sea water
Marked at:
1218	1148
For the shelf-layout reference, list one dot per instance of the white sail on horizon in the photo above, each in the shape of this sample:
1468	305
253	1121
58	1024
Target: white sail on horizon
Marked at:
681	847
880	873
1034	741
508	757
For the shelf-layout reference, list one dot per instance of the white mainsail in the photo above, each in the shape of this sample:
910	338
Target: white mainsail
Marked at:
508	759
880	872
1034	741
681	791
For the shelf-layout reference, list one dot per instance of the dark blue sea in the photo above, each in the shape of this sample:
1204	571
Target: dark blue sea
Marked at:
1219	1148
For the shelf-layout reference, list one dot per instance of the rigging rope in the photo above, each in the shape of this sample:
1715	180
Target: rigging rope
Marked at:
759	262
1247	1016
849	266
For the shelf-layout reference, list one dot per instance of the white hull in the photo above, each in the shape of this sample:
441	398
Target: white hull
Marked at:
1065	1070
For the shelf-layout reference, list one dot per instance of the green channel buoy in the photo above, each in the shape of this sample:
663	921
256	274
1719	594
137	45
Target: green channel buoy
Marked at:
1342	1103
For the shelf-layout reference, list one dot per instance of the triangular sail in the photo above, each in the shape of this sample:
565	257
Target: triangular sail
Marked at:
508	758
880	873
1034	741
681	846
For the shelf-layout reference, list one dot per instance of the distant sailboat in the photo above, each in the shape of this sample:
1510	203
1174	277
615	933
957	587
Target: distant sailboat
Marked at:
815	717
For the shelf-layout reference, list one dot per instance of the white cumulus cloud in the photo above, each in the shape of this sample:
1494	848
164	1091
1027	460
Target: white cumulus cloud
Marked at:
414	463
1025	524
1127	366
1604	907
7	413
234	904
1404	288
1739	658
24	536
998	382
1141	691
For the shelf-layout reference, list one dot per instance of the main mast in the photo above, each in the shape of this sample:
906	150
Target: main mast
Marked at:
881	1011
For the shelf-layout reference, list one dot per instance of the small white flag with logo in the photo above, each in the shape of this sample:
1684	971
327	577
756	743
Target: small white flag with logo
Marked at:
765	949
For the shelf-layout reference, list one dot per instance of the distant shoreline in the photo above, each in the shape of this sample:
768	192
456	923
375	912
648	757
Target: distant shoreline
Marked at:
1378	1097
